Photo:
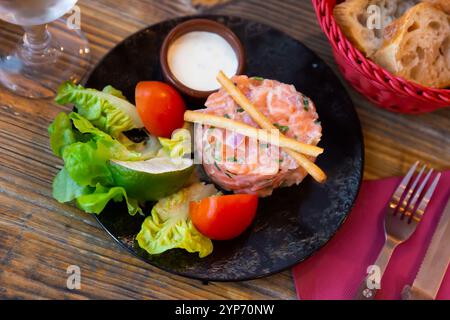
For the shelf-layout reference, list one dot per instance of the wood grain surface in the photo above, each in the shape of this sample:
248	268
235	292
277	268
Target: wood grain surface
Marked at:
40	238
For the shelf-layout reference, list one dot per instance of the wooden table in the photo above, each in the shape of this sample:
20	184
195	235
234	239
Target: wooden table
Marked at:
40	238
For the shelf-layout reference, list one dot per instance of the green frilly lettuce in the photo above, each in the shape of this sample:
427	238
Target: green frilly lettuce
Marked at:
87	162
107	110
178	146
86	151
65	189
96	201
169	225
61	134
89	199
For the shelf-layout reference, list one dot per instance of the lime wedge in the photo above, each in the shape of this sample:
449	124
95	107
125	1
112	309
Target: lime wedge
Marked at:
152	179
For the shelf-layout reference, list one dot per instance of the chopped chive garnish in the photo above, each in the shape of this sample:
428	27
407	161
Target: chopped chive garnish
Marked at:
227	116
283	129
257	78
217	167
305	104
228	175
317	122
232	159
240	109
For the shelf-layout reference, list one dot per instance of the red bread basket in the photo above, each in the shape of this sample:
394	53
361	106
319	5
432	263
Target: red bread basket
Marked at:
372	81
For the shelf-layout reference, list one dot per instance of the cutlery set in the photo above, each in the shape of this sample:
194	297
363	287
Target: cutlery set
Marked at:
403	214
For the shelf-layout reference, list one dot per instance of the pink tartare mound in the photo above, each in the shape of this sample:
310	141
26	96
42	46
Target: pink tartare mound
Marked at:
289	110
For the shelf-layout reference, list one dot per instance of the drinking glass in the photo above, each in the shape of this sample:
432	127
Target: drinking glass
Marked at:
48	53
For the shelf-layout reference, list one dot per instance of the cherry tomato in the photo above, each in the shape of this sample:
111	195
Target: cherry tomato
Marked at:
160	107
224	217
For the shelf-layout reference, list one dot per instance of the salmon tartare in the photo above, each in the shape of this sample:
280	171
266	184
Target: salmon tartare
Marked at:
293	113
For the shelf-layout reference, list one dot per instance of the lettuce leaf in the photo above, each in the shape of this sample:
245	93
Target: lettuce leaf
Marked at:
97	201
169	225
87	163
65	189
107	110
88	139
178	146
116	149
61	133
86	176
114	92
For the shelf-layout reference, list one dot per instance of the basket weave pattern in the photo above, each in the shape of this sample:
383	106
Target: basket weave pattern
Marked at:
372	81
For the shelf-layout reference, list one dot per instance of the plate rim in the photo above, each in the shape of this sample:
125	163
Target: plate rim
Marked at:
207	279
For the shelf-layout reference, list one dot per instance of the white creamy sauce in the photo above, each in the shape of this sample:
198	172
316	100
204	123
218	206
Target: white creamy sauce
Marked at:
196	58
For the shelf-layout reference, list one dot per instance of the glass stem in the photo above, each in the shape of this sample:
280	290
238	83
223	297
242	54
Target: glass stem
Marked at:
35	45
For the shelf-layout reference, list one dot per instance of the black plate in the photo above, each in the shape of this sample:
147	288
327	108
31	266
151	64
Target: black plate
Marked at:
294	222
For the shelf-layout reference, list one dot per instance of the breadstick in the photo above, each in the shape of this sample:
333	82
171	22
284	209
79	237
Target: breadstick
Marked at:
252	132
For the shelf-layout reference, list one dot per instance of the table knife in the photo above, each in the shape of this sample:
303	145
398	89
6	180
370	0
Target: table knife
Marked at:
433	268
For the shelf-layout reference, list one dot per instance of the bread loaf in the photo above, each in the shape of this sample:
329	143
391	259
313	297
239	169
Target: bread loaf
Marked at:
356	20
441	4
417	46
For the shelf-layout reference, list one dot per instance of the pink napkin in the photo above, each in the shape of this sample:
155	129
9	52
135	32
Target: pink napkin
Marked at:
336	271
